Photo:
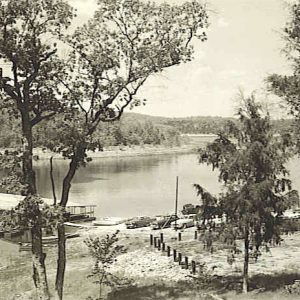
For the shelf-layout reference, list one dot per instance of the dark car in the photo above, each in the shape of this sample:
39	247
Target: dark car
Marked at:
139	222
163	222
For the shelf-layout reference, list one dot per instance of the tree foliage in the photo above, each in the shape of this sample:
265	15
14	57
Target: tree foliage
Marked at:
124	132
287	87
209	208
29	31
30	91
251	163
12	176
111	56
30	212
104	253
131	129
118	50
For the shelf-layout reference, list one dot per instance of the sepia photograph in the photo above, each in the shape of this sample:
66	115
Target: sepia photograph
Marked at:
149	149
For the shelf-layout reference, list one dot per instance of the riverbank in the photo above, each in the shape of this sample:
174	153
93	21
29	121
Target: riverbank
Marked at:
124	151
153	275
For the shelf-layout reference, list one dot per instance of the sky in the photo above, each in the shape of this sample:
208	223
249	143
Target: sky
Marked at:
244	46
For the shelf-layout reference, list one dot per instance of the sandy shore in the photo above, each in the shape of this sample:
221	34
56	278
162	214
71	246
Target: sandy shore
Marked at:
146	266
282	258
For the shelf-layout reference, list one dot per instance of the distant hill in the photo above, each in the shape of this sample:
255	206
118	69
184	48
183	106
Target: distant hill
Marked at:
131	129
195	124
192	125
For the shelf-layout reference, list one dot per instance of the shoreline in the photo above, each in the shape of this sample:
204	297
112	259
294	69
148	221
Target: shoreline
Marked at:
126	151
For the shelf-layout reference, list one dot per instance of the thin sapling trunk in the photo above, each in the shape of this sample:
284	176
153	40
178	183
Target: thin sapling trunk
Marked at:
246	262
52	181
61	261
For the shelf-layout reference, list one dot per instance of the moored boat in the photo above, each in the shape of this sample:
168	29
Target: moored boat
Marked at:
109	221
47	241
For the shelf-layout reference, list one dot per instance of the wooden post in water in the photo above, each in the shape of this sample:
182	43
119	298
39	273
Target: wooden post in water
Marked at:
155	242
163	248
196	235
158	244
174	254
168	251
193	267
176	202
151	239
186	261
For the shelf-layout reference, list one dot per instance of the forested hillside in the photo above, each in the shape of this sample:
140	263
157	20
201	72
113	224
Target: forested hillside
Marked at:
131	129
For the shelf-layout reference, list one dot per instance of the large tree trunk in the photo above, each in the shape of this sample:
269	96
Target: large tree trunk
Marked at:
39	269
61	261
246	261
38	257
27	165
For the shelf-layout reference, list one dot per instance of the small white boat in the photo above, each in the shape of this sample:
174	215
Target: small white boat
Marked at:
109	221
76	225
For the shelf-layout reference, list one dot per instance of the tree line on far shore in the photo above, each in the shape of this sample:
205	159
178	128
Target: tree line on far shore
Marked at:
131	129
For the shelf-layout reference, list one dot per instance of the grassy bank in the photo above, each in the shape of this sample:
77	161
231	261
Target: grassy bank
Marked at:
153	275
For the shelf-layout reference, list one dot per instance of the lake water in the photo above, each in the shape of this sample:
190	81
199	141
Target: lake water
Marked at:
132	186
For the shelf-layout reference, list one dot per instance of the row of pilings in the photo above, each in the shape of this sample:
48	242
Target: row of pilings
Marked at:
161	245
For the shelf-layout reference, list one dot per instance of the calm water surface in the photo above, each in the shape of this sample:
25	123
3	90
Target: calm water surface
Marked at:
131	186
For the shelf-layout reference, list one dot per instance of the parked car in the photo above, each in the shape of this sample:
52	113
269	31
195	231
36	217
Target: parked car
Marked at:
185	222
163	222
291	214
139	222
217	221
190	209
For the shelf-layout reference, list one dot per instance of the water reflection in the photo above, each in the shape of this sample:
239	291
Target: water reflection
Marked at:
131	186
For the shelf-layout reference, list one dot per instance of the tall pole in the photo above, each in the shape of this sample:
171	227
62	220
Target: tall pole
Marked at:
176	202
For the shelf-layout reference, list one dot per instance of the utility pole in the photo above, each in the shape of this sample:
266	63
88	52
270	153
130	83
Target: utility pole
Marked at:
176	202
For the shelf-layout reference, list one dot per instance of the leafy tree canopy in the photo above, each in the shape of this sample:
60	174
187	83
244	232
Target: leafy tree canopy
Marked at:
29	31
110	58
121	46
288	86
251	162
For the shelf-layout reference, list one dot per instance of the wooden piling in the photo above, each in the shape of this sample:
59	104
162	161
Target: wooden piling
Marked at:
163	247
193	267
158	244
179	257
196	235
174	254
151	239
168	251
155	242
186	262
179	236
162	237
